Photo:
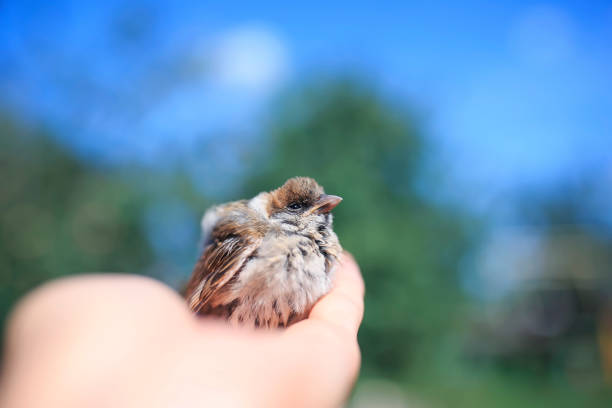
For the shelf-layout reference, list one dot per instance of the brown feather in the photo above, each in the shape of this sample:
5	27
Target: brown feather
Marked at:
300	189
232	244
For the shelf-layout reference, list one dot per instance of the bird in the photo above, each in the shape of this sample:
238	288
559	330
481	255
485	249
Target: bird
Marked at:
267	260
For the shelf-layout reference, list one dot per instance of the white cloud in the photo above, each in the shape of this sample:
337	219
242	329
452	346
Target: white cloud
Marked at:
249	58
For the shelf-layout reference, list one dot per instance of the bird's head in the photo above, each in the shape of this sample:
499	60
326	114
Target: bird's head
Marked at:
301	205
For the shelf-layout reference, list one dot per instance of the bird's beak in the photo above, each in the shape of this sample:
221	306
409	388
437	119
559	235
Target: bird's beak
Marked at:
325	204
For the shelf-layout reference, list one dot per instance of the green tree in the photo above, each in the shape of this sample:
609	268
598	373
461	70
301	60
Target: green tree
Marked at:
60	217
362	147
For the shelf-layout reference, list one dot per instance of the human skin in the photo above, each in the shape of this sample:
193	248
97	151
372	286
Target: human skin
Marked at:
130	341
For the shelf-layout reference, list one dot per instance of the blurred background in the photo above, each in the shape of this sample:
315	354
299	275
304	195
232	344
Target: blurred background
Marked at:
471	141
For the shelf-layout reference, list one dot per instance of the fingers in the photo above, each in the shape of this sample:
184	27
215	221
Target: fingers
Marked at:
328	360
342	307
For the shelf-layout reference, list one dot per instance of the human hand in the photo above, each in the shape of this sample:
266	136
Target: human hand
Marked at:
126	341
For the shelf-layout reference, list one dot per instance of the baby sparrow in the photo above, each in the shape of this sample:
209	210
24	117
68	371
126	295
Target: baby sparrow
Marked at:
266	260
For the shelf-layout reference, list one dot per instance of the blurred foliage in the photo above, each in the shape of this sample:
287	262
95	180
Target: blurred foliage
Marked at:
418	327
61	215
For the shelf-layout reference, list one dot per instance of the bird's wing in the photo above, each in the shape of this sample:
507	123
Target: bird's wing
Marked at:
232	241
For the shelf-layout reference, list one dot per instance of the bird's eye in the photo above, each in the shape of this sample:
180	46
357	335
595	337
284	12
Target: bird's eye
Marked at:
294	206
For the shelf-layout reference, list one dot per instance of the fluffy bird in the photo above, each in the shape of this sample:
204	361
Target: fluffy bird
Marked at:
266	260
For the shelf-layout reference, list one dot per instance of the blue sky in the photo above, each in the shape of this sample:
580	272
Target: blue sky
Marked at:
516	93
